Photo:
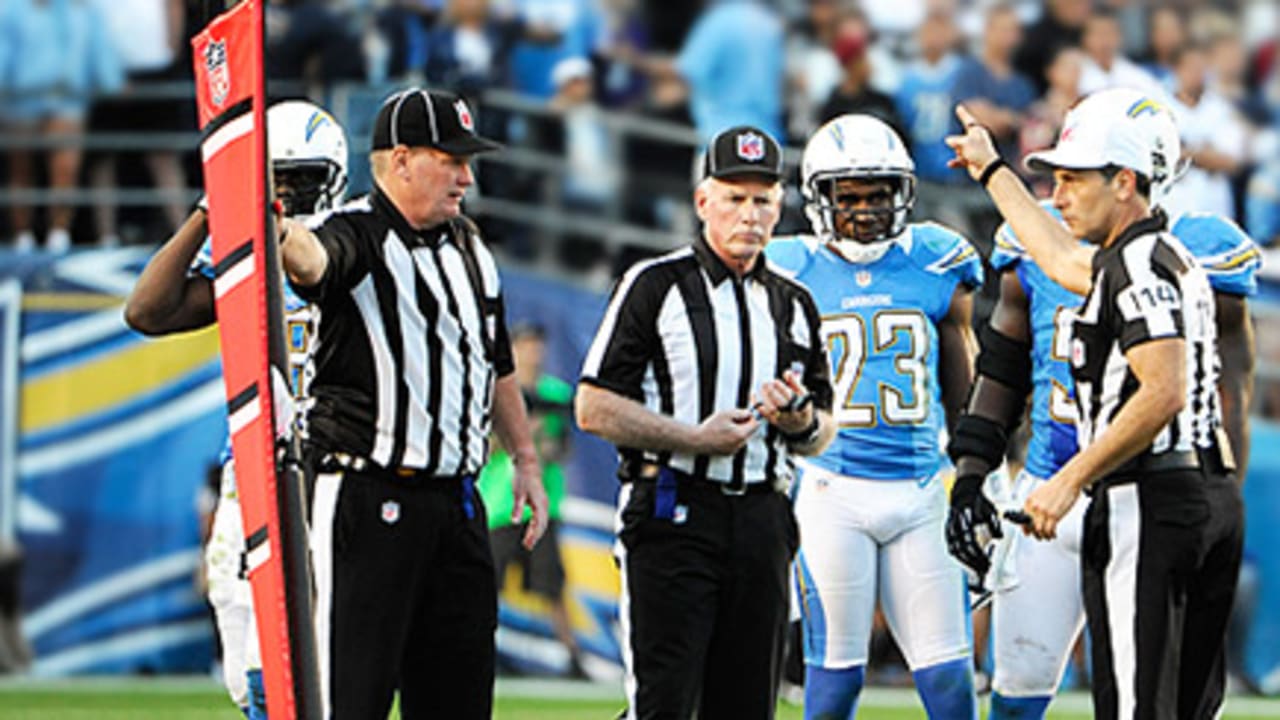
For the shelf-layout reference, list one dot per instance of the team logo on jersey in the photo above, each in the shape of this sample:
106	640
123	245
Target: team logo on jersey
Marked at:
862	277
464	116
217	75
391	512
751	147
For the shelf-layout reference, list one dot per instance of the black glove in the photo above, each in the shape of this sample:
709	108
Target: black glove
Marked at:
971	514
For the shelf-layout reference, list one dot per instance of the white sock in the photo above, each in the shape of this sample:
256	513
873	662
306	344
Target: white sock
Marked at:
25	241
109	241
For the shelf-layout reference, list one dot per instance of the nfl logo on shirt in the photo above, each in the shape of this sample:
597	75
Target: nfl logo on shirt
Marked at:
390	512
751	147
464	115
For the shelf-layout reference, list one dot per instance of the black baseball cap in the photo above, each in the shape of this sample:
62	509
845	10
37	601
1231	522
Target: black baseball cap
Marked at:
428	118
743	150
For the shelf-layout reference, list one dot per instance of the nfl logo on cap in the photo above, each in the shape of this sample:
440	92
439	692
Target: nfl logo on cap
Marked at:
390	512
751	147
464	115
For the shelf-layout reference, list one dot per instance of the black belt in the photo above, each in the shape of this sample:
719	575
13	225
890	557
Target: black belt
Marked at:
1173	461
648	473
336	461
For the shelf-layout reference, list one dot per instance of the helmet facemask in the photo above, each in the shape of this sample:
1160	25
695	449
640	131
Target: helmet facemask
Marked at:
307	187
861	218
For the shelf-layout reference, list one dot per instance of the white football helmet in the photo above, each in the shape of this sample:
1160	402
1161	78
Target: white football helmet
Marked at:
1167	161
860	147
308	150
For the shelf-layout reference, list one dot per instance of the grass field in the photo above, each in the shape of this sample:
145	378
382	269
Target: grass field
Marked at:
202	699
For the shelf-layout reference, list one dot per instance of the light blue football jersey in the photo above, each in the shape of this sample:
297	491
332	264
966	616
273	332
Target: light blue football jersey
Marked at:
879	324
1229	257
300	319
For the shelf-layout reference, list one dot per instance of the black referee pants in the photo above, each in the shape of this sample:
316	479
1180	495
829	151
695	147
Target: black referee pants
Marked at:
704	604
1160	558
406	596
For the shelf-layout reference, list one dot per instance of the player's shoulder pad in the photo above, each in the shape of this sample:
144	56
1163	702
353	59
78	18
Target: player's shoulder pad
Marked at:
789	255
202	263
1007	249
1229	256
943	251
354	206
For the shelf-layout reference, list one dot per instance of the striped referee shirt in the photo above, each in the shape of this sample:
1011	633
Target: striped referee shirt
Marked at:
688	338
412	339
1146	286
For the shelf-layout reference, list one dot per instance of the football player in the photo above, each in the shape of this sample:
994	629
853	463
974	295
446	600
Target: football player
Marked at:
1025	350
895	303
308	151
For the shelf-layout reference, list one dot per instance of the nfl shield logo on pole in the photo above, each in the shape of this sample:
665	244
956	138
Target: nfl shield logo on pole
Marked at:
751	147
215	65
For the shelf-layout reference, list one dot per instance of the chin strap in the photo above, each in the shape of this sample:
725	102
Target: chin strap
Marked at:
860	252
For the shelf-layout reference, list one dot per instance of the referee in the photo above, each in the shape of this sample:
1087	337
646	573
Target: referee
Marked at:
414	368
707	372
1163	535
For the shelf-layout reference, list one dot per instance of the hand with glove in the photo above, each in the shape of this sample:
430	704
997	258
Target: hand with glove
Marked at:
972	523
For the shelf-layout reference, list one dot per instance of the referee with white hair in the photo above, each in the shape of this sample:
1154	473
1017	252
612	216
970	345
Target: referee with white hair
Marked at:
414	370
1164	533
708	372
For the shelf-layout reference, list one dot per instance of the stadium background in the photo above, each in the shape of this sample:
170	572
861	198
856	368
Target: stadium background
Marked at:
106	438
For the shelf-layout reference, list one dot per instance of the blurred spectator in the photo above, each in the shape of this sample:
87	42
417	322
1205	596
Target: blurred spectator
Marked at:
470	47
854	93
997	94
1166	32
1228	76
620	85
732	63
926	101
149	35
593	175
813	70
1214	137
1044	118
1105	65
1262	202
45	85
309	42
1061	24
576	25
549	400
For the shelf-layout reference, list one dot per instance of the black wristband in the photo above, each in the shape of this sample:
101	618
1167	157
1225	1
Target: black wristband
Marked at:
805	436
990	170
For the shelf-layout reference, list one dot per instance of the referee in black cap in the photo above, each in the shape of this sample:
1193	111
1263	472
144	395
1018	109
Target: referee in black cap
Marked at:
708	372
414	369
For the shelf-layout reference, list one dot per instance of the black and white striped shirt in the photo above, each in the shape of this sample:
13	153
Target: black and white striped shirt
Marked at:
1146	286
687	338
412	339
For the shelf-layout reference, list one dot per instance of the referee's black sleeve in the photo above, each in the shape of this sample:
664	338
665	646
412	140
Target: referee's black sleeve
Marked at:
503	360
628	337
817	373
344	266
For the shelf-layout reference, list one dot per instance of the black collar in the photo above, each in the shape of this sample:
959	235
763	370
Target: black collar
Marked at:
433	236
717	270
1154	223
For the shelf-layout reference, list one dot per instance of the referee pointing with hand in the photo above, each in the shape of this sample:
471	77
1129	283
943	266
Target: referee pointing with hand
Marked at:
414	367
1164	532
707	372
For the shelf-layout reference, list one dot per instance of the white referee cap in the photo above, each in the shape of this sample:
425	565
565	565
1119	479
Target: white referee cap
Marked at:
1105	129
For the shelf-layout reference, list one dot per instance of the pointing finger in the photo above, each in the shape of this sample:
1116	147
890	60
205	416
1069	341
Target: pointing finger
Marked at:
964	116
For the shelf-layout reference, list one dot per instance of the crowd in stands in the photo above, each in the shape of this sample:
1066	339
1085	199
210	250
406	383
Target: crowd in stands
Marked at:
67	66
